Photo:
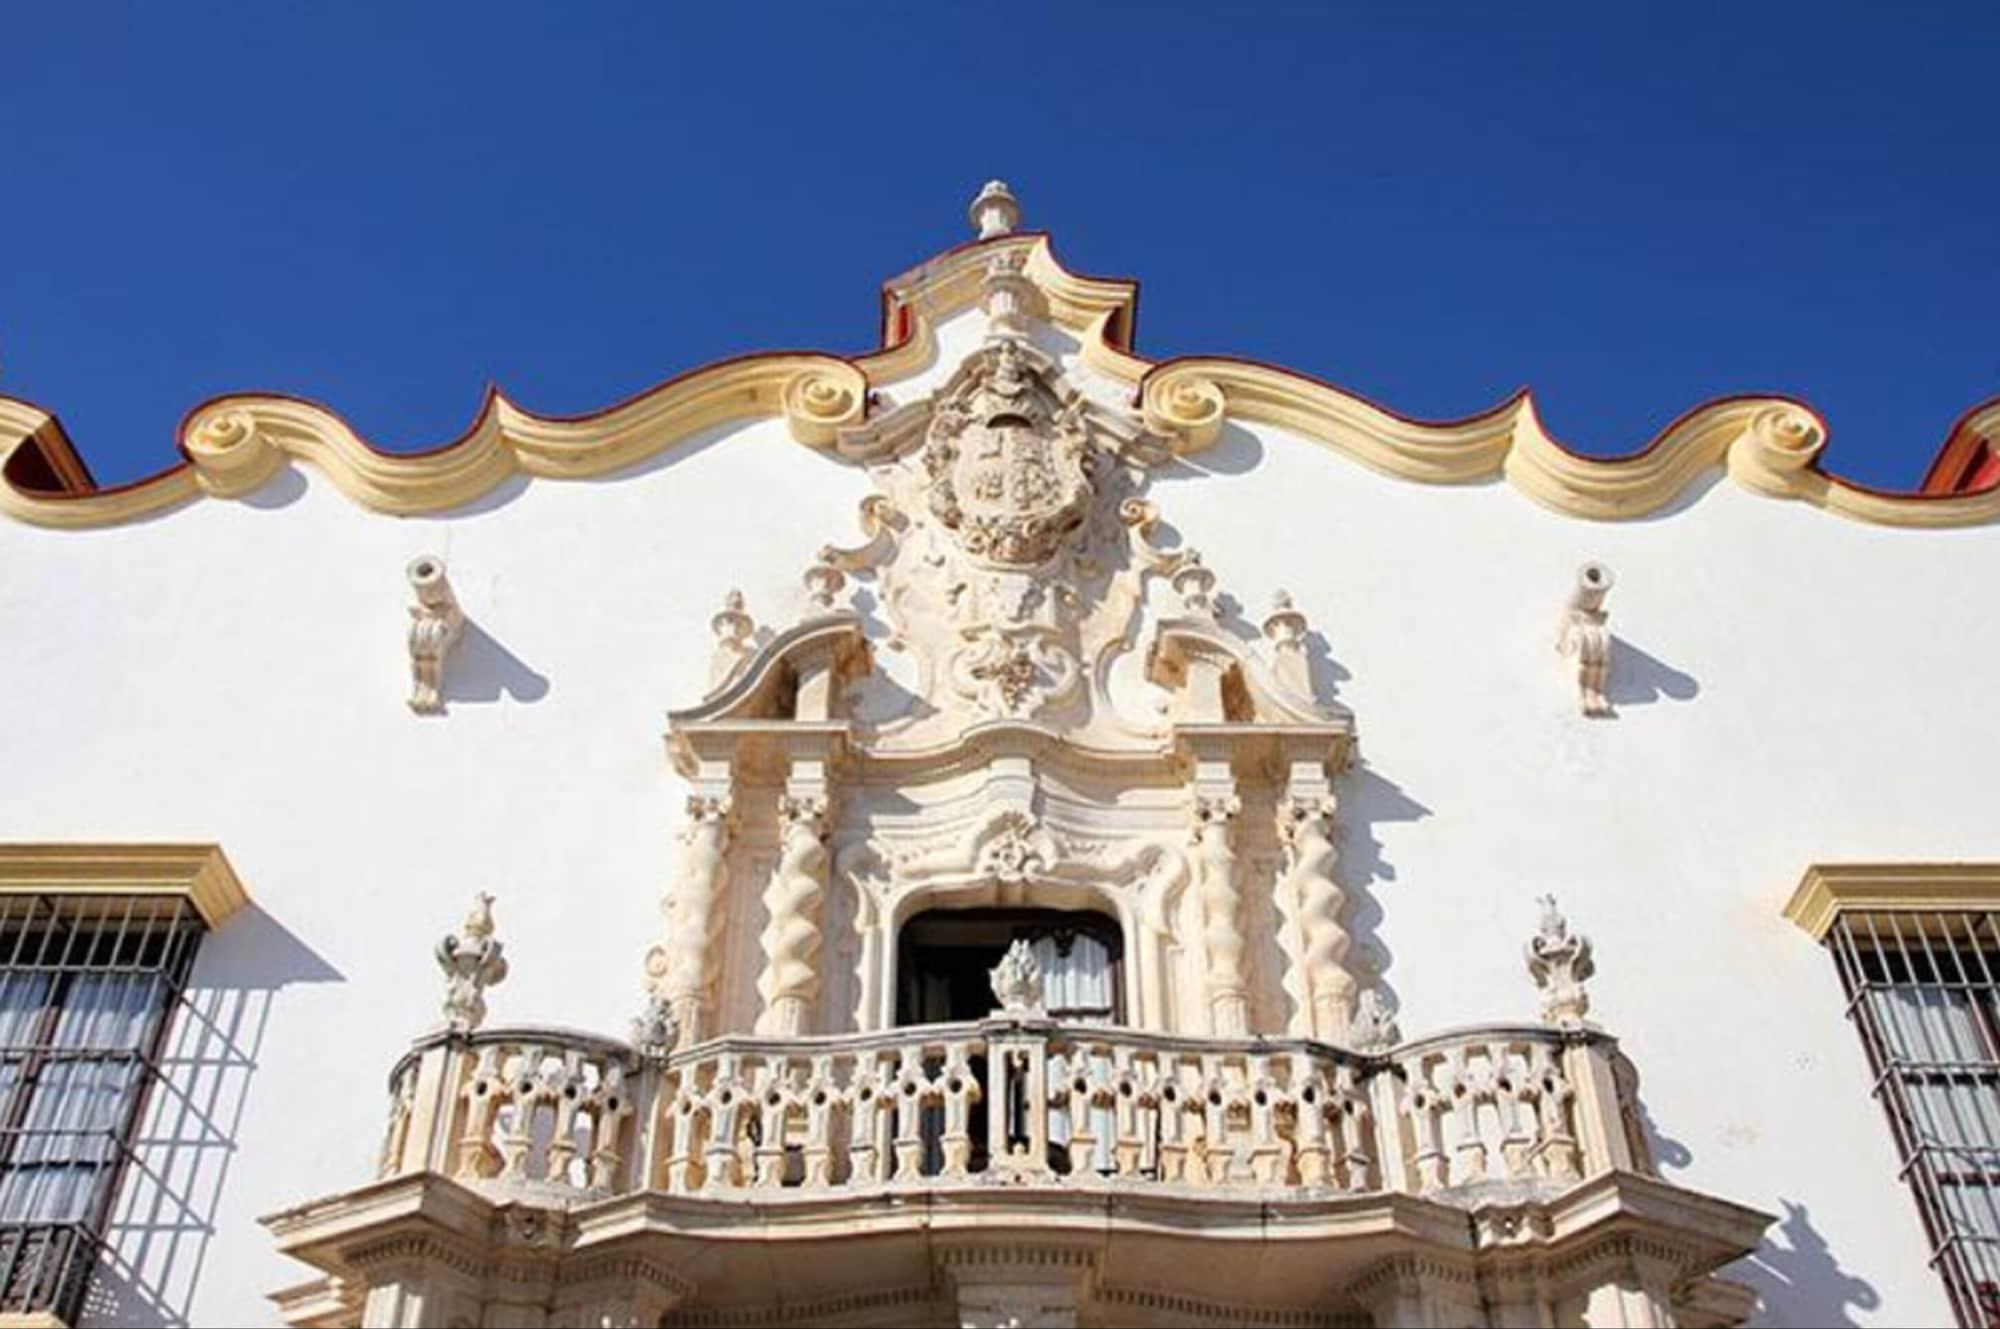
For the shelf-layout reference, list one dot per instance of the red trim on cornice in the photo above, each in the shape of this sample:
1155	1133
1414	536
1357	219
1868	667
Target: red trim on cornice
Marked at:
49	455
1967	462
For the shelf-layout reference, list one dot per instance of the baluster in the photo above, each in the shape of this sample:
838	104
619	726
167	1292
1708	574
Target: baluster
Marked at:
819	1100
773	1108
1315	1160
1469	1149
960	1091
519	1138
911	1087
610	1107
485	1091
690	1115
402	1099
1264	1151
1173	1122
1424	1107
726	1098
1209	1151
1556	1153
1351	1113
1515	1097
865	1156
1076	1097
560	1087
1127	1144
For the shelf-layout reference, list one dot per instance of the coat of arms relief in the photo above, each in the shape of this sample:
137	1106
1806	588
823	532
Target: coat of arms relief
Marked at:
1011	543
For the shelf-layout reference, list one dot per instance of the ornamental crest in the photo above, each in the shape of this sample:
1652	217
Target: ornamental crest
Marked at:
1009	463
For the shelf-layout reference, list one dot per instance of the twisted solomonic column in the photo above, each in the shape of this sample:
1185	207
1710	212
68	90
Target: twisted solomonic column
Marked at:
683	967
1221	914
1306	825
789	984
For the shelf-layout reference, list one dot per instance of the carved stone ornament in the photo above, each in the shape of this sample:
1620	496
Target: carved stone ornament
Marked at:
1017	980
472	960
436	623
655	1029
1009	462
1559	962
1374	1027
733	630
995	211
1586	638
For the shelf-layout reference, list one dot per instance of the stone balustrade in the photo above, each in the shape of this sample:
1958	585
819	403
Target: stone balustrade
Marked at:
554	1116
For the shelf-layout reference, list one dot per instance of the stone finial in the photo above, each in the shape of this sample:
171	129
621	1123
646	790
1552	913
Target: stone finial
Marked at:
1285	629
1585	636
1559	962
1194	583
1007	295
823	582
436	623
995	211
1017	980
655	1029
733	629
1374	1025
472	960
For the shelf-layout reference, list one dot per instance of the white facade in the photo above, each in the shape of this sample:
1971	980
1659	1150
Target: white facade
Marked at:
1789	687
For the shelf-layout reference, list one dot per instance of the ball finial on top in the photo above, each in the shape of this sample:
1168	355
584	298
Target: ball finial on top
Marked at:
995	211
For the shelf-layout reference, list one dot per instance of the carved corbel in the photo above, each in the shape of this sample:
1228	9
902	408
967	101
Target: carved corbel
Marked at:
794	900
1559	961
683	966
436	623
1585	637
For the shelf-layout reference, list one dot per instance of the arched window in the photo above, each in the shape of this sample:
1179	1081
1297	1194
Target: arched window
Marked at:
944	957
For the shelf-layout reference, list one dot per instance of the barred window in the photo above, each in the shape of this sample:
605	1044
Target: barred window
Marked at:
1922	991
86	987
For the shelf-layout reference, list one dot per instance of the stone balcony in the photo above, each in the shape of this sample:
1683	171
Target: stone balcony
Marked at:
1017	1169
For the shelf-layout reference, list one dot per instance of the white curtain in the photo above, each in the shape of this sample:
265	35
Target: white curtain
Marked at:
1941	1050
1076	977
77	1105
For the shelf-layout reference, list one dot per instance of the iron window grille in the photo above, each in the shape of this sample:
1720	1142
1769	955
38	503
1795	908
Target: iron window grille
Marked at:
86	987
1924	991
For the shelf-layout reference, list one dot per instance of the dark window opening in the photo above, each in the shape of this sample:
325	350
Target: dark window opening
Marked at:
944	959
86	984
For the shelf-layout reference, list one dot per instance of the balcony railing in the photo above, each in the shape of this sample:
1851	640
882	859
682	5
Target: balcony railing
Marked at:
560	1117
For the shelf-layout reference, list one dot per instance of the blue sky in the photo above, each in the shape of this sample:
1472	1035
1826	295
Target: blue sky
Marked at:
386	207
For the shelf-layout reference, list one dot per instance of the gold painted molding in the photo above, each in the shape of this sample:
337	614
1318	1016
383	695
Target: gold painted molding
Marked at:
1828	890
234	444
200	872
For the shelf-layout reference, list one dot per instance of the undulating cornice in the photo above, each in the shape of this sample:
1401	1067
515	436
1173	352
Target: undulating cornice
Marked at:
231	445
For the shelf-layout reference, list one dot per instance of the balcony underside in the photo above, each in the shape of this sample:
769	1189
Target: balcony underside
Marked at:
1089	1252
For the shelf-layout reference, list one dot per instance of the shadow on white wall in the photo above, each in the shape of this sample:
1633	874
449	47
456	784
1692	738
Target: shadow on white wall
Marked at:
159	1234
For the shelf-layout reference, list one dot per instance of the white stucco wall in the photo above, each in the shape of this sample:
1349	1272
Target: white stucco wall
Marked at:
1790	687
